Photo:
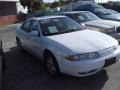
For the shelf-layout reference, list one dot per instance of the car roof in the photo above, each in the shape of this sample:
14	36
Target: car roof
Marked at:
87	4
46	17
73	12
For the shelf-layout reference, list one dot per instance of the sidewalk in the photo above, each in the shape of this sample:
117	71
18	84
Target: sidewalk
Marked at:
10	26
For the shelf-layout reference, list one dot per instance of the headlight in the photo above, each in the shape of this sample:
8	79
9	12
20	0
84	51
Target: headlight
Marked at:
84	56
104	30
109	30
115	47
98	29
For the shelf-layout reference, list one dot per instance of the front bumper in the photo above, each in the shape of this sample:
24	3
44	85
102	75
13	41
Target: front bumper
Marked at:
88	67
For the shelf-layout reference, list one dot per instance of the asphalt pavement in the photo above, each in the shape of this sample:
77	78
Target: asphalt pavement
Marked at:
25	72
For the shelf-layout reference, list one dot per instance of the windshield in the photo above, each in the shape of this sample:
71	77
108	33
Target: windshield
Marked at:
113	11
96	6
103	11
53	26
85	16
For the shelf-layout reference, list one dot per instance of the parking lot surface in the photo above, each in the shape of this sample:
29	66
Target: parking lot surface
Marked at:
25	72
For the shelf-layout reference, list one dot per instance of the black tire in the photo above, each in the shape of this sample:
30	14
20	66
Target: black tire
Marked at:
3	64
3	61
19	45
52	65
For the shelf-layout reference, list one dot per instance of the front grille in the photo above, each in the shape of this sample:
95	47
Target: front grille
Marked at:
118	29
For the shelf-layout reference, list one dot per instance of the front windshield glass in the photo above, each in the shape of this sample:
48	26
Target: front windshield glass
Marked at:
97	6
59	25
112	11
103	11
85	16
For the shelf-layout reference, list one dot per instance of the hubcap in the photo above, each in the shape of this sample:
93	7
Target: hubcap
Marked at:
50	65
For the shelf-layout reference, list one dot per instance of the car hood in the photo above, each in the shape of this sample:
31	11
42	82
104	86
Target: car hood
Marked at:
115	17
103	23
83	41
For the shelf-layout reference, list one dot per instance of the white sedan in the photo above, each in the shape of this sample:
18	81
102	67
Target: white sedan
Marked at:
65	47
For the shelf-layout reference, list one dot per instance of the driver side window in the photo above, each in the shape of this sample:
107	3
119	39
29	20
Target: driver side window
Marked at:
34	26
25	26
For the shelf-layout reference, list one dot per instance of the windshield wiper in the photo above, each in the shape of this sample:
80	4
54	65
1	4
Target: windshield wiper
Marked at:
71	30
66	31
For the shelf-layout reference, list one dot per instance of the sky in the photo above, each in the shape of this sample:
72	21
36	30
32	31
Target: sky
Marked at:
95	0
50	0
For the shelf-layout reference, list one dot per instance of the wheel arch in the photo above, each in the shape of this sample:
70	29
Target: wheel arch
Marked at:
49	51
17	38
45	53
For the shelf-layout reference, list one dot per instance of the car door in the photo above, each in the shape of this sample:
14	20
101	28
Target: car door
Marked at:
24	34
35	39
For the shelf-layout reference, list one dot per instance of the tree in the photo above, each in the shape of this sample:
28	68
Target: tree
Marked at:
54	4
47	5
32	4
61	2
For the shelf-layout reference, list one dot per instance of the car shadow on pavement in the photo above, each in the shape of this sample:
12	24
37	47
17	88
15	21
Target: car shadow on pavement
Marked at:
25	72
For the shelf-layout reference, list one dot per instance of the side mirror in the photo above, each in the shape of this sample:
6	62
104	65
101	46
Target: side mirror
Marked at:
34	33
83	24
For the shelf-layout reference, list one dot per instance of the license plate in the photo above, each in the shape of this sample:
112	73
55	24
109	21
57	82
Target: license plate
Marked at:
110	61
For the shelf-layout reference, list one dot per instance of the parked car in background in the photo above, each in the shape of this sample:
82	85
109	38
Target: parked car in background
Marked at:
100	11
88	6
66	47
91	21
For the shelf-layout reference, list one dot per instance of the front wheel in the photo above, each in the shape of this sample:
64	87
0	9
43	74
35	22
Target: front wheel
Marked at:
52	65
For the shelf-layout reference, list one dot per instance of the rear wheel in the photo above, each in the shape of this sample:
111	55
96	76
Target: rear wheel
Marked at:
19	46
52	65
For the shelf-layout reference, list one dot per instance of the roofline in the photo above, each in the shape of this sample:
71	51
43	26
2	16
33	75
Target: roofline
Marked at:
46	17
72	12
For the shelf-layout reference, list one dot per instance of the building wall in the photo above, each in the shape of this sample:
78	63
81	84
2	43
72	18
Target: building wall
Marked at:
5	20
7	8
9	0
8	12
